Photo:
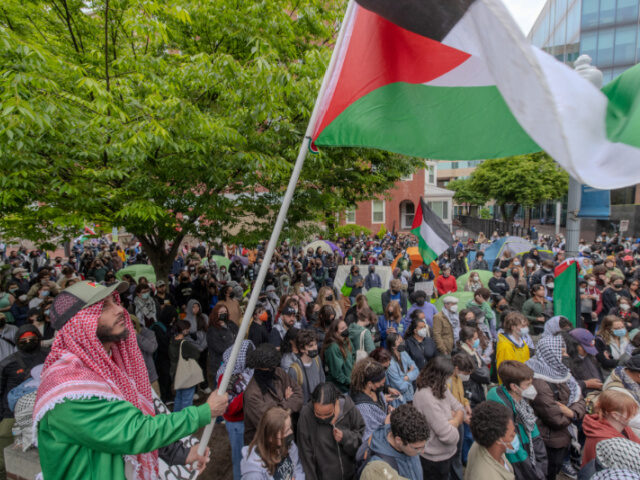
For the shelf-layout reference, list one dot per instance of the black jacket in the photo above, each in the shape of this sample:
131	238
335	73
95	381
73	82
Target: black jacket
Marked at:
258	334
321	455
421	352
584	369
218	340
386	298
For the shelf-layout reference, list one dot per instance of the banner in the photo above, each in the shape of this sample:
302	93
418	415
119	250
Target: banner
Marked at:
595	203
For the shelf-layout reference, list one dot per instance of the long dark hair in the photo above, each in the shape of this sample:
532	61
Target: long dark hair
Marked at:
392	341
435	376
334	337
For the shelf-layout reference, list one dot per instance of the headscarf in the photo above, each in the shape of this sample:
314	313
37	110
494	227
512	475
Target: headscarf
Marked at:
78	367
191	318
547	365
552	326
615	474
619	452
632	387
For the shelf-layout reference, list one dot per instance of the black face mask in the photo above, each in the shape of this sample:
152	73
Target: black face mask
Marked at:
344	333
264	377
420	302
379	390
3	322
223	317
312	353
28	347
329	298
401	348
287	441
325	421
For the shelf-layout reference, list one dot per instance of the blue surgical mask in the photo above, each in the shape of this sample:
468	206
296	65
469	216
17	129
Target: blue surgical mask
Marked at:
620	332
476	343
46	312
514	446
145	295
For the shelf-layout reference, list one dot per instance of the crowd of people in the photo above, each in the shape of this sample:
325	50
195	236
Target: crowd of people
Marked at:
325	387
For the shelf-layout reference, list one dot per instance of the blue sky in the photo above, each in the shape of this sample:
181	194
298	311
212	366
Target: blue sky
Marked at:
525	12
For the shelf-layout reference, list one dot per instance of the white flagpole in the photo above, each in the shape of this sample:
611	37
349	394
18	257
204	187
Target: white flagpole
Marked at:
275	235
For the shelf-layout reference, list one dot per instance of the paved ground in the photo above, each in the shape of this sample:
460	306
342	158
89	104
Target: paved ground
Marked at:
219	467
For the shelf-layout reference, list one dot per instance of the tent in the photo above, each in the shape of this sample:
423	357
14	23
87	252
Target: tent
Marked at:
463	299
137	271
416	261
516	245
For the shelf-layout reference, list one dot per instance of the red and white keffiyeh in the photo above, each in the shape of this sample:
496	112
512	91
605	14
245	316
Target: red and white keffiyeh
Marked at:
79	367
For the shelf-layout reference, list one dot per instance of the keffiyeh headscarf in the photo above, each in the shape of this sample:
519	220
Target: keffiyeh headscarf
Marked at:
240	375
547	365
79	367
619	453
552	326
616	474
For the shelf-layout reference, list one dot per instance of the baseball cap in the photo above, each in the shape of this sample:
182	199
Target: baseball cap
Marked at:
449	299
586	339
79	296
18	270
289	311
633	363
160	283
627	258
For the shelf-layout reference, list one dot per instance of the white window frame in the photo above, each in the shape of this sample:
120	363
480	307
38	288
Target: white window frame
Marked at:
403	225
408	178
348	213
373	212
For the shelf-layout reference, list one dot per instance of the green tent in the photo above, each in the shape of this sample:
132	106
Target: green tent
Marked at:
485	276
463	299
221	261
374	299
137	271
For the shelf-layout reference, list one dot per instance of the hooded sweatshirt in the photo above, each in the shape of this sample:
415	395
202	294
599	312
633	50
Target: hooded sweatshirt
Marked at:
408	467
252	467
597	429
322	457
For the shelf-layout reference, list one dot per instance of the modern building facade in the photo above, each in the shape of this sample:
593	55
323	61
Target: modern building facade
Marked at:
396	208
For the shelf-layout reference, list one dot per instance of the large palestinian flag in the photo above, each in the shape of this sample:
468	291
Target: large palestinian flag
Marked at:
433	234
565	291
456	80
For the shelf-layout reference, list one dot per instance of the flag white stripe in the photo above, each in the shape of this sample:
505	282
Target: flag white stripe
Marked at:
432	239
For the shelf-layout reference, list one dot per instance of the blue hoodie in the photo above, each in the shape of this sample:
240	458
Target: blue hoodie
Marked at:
408	467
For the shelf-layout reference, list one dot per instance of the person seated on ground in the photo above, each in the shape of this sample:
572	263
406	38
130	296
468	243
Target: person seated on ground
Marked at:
391	322
446	325
534	308
368	381
446	283
473	283
529	461
420	346
338	355
497	284
270	386
612	413
397	294
611	342
626	378
511	345
479	263
495	434
272	454
559	401
306	369
330	432
613	454
402	371
419	302
480	300
372	280
397	445
582	363
611	294
624	311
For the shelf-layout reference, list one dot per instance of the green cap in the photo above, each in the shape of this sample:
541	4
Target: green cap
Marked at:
79	296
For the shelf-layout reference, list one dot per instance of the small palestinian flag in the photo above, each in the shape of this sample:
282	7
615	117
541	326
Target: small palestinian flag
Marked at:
433	234
457	80
565	290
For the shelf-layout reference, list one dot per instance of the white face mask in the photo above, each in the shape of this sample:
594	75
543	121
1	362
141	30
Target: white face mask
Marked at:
634	422
529	393
550	285
463	377
592	283
530	264
624	307
422	332
582	290
453	308
516	262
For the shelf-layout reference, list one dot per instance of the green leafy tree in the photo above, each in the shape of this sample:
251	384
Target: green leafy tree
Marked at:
464	193
521	180
169	119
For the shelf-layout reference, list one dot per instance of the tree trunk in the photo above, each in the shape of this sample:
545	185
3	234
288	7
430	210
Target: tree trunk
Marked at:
160	258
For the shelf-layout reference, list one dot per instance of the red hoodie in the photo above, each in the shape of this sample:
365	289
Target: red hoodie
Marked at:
597	429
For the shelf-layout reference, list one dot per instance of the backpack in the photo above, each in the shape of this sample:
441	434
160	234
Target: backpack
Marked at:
299	373
361	353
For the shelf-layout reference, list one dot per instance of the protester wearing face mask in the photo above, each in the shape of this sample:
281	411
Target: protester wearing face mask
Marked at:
581	360
338	355
272	454
42	294
496	436
145	307
446	325
258	333
420	346
611	342
529	460
481	300
359	332
589	302
397	294
624	311
330	431
511	344
402	371
613	412
611	294
367	391
220	335
228	299
307	369
474	282
269	387
463	367
14	370
446	283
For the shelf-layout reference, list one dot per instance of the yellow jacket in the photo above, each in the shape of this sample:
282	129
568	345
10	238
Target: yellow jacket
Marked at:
457	390
507	350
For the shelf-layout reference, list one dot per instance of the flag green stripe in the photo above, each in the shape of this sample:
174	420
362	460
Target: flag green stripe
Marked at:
426	252
623	110
565	295
462	123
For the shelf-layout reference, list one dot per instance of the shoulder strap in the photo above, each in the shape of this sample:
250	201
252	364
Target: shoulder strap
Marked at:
362	339
298	371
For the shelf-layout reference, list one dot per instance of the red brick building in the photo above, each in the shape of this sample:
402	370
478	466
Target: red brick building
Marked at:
396	208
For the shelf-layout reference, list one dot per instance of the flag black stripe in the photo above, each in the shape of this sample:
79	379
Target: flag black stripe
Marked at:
435	223
429	18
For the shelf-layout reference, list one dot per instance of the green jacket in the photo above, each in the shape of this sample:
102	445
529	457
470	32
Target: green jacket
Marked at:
532	310
337	367
523	452
355	331
86	439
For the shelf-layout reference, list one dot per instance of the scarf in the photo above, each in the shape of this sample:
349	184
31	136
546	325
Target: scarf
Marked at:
454	321
240	375
619	452
79	367
547	365
631	386
145	308
527	418
552	326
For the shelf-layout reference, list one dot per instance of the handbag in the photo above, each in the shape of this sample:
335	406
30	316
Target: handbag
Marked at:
188	372
361	353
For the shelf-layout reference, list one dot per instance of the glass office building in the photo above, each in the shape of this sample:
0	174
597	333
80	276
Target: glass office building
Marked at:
606	30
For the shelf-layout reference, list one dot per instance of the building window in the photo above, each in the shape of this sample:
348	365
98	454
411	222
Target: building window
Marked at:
407	212
625	45
440	208
454	165
377	211
350	216
407	178
432	174
589	13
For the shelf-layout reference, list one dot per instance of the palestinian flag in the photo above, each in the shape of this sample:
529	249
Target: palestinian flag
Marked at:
433	234
457	80
565	291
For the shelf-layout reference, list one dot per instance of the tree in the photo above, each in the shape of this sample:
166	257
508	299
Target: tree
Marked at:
464	193
169	119
521	180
